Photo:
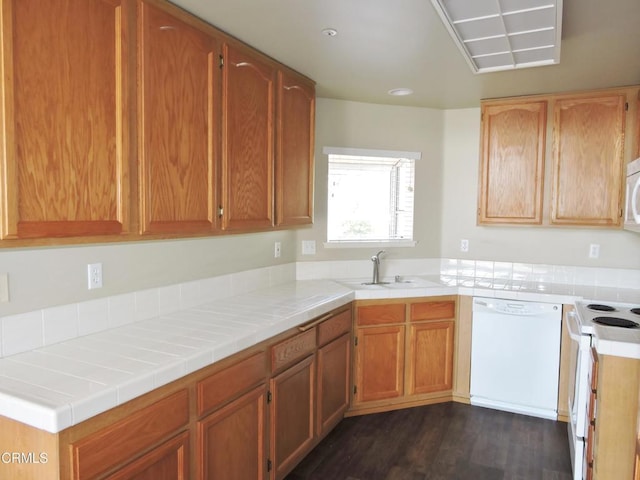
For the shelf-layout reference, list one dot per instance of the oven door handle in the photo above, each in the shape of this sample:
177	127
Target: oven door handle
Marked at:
572	326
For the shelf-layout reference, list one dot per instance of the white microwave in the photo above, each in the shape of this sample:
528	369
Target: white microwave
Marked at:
632	203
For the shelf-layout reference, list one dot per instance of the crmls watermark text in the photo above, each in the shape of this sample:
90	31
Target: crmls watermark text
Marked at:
23	457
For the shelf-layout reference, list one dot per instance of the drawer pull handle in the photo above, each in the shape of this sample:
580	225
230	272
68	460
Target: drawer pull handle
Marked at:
309	326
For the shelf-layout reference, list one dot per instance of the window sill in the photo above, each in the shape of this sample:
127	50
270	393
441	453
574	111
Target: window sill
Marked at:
377	244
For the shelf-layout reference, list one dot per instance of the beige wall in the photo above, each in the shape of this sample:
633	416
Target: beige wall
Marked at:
361	125
44	277
446	190
550	245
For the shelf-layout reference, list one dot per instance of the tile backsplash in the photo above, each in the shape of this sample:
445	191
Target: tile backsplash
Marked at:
28	331
452	267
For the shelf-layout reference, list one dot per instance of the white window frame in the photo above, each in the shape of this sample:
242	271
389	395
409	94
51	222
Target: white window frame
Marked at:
363	152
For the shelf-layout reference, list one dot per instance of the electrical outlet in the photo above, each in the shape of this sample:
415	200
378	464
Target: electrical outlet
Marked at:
464	245
94	274
594	250
277	251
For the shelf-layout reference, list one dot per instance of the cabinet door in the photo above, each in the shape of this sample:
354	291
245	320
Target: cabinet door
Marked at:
124	441
294	160
334	365
65	156
379	363
512	163
292	413
430	366
231	441
178	91
588	156
248	87
169	461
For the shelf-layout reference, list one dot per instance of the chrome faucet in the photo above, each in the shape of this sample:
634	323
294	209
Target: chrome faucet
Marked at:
376	267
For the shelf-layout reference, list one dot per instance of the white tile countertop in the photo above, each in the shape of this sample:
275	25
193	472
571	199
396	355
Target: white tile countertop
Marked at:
57	386
60	385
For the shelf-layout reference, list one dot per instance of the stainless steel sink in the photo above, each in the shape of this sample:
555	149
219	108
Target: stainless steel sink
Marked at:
409	283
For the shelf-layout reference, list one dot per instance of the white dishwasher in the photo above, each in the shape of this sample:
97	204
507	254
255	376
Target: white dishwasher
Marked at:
515	356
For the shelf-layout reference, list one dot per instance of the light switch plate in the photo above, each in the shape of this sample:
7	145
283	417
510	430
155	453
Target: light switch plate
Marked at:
4	288
308	247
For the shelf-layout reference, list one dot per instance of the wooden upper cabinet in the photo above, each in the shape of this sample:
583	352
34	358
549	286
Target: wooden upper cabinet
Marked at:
64	168
512	162
248	109
178	90
295	144
588	159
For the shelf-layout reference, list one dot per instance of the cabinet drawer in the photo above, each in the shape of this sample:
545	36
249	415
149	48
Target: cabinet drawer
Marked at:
219	388
433	310
124	440
293	349
380	314
334	327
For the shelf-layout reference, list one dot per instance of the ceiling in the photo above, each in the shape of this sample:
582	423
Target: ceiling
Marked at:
383	44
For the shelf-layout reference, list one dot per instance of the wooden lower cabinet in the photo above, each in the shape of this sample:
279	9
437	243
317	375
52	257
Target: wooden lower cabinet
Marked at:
404	353
232	440
430	357
131	444
252	416
292	416
379	363
169	461
612	442
334	366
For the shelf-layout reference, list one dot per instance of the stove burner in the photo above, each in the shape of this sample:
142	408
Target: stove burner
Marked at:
615	322
600	308
635	311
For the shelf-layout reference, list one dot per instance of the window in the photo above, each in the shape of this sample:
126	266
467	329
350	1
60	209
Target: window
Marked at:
370	197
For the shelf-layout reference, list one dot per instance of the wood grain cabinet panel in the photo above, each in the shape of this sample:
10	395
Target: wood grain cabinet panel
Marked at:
293	349
512	162
232	440
125	440
432	310
430	366
379	363
221	387
612	436
169	461
295	149
588	159
178	91
334	327
380	314
405	363
292	416
65	160
248	108
334	380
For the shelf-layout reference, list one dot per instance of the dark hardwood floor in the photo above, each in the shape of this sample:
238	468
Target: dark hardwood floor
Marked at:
449	441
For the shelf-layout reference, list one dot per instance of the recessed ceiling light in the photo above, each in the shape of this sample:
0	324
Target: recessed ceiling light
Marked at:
399	92
330	32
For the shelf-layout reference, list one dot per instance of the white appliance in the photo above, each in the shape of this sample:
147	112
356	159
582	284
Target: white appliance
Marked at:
581	325
515	356
632	203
